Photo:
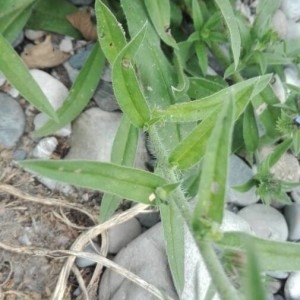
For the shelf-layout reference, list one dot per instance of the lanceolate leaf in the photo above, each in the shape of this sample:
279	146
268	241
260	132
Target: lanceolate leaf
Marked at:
250	130
125	182
211	195
126	85
18	75
199	109
192	148
123	153
110	33
80	94
273	255
13	17
234	34
159	12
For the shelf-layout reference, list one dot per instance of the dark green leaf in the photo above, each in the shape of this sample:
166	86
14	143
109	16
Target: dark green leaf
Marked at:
132	184
50	15
80	94
18	75
250	130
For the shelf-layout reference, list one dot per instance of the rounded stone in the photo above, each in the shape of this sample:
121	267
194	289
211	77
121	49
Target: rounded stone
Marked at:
295	194
279	23
291	8
12	121
122	234
104	97
146	257
239	173
292	216
292	287
265	221
148	219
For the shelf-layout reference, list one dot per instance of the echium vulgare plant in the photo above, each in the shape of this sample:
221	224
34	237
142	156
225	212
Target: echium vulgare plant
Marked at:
160	54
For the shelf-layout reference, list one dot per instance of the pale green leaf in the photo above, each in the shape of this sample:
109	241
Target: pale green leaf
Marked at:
159	12
16	72
211	195
110	33
232	25
126	85
80	94
129	183
123	153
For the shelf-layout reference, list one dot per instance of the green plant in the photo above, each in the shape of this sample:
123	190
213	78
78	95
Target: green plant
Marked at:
194	122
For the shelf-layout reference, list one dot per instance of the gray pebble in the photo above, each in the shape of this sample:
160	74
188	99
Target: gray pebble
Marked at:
146	257
83	262
148	219
122	234
93	135
12	121
19	154
104	97
77	60
239	173
292	287
278	297
292	216
265	221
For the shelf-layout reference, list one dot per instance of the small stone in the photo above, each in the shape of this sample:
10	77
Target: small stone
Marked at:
239	173
72	72
291	8
146	257
278	274
279	23
287	167
272	285
66	44
122	234
104	97
292	287
77	60
56	185
106	74
12	121
278	297
292	216
34	34
83	262
148	219
19	154
93	135
45	148
291	75
265	221
55	92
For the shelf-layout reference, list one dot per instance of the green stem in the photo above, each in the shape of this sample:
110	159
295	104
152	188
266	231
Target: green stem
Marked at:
214	267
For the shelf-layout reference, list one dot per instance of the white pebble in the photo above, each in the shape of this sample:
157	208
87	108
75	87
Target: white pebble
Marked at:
34	34
292	287
291	8
45	148
279	23
266	221
66	45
